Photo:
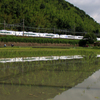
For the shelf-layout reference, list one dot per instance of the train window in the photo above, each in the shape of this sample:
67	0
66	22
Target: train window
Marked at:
49	35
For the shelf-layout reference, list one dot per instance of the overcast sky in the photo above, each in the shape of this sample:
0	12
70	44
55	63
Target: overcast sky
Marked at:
91	7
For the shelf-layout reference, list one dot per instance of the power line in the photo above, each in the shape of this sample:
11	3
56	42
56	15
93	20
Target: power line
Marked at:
23	26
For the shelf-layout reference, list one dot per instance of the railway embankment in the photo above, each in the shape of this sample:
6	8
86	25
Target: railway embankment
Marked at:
37	44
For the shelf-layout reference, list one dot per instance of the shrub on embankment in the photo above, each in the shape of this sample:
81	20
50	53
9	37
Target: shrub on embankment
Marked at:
36	40
89	38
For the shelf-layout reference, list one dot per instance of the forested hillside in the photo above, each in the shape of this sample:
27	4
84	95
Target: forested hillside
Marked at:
46	14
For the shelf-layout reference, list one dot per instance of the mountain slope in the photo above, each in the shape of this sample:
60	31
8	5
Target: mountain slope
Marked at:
47	14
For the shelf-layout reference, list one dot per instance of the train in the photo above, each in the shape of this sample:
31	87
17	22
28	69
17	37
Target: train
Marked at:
45	35
36	34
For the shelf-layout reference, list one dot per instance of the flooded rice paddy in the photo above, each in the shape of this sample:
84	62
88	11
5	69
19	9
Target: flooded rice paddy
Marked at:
89	89
50	78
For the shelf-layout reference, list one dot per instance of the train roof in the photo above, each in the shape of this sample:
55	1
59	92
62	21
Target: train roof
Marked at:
3	30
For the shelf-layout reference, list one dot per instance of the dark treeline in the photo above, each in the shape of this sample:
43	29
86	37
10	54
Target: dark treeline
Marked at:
46	14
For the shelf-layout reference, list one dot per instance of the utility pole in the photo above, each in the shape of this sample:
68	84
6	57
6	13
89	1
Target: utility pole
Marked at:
54	29
74	29
23	27
4	24
39	29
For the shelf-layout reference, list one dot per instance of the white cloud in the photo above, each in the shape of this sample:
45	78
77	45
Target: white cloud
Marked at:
91	7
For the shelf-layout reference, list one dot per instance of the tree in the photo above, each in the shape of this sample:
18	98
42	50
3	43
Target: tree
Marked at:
89	38
47	13
42	6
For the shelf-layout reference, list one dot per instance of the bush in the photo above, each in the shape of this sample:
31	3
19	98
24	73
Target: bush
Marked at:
82	43
89	38
37	40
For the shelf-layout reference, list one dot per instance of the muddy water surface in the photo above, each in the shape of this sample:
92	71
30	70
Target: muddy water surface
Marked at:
53	79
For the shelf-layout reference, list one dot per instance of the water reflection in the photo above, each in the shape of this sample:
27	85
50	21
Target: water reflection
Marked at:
23	59
89	89
42	78
46	58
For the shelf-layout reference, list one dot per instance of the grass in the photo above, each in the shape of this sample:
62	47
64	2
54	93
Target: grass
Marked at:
11	52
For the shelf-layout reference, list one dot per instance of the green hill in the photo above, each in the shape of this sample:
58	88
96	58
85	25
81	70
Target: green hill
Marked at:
46	14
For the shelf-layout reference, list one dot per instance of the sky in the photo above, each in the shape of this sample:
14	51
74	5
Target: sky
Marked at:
91	7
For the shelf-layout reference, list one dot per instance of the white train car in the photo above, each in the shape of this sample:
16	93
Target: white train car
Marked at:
79	37
5	32
56	36
10	32
67	36
27	33
98	39
70	36
48	35
42	34
33	34
51	35
18	33
63	36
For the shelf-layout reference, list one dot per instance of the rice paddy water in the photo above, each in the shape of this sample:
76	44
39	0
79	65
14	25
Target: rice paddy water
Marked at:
50	77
